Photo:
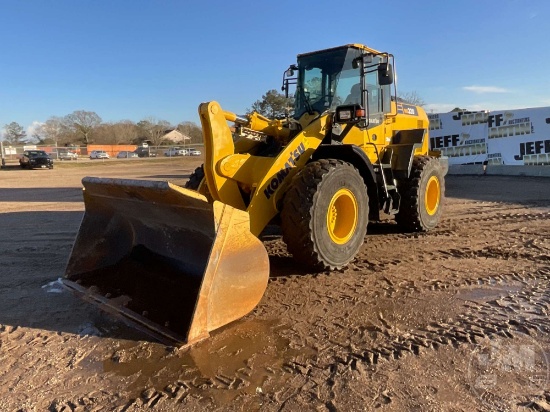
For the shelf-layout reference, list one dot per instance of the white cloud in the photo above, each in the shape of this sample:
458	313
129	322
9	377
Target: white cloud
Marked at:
480	106
447	107
485	89
439	107
33	127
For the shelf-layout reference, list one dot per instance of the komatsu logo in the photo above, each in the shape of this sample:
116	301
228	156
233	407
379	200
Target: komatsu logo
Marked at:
281	174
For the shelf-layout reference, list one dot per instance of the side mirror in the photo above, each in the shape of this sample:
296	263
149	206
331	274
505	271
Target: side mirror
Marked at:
287	78
385	74
290	70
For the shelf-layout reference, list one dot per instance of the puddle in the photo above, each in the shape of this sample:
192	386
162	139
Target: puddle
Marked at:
55	286
487	294
240	356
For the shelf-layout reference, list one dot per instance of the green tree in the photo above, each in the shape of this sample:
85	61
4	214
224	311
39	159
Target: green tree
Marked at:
14	133
272	105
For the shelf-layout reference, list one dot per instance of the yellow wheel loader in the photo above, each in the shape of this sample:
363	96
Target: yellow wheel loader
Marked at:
181	262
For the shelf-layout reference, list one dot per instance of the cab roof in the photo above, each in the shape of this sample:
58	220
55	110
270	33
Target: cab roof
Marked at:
347	46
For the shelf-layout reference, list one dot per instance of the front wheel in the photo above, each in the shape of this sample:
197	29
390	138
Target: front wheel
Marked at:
325	214
197	182
421	195
195	178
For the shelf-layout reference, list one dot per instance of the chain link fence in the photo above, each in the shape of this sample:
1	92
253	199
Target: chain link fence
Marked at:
11	154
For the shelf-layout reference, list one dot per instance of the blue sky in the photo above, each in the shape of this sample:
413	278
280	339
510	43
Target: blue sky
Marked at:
135	59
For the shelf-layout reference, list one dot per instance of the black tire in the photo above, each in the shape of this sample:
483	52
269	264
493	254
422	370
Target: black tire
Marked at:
322	185
195	179
421	195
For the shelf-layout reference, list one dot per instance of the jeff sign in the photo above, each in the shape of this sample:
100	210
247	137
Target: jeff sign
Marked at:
511	137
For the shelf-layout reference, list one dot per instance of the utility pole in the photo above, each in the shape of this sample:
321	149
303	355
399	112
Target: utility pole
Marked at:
2	154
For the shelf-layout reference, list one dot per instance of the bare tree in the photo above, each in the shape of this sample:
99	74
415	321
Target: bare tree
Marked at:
153	129
123	132
14	133
53	130
83	123
192	130
411	98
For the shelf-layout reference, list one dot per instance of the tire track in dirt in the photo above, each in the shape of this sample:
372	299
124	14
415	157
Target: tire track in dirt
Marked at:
56	373
506	245
514	315
485	217
504	317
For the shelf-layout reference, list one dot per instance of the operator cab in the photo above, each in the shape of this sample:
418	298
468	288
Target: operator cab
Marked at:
352	78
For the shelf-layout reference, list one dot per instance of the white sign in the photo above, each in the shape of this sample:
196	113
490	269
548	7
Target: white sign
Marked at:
510	137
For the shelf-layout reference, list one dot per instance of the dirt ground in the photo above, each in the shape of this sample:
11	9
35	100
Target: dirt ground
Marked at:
453	320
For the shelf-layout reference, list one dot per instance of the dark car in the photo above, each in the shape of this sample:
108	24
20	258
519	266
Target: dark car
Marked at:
35	158
145	152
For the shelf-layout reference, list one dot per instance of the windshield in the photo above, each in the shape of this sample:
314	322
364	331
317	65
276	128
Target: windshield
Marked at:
325	80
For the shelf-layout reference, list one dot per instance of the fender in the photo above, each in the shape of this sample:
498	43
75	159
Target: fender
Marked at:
356	156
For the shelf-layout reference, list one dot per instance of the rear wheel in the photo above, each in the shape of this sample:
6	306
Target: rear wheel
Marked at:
325	214
421	195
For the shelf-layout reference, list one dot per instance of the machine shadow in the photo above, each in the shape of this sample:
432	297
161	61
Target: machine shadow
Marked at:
34	250
182	176
492	188
42	194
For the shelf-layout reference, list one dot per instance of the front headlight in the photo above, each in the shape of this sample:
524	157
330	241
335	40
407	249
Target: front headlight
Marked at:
350	114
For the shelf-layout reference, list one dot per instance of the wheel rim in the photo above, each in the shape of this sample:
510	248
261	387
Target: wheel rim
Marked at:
433	195
342	216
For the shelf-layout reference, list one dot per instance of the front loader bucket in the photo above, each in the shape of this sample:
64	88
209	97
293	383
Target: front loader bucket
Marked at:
165	258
